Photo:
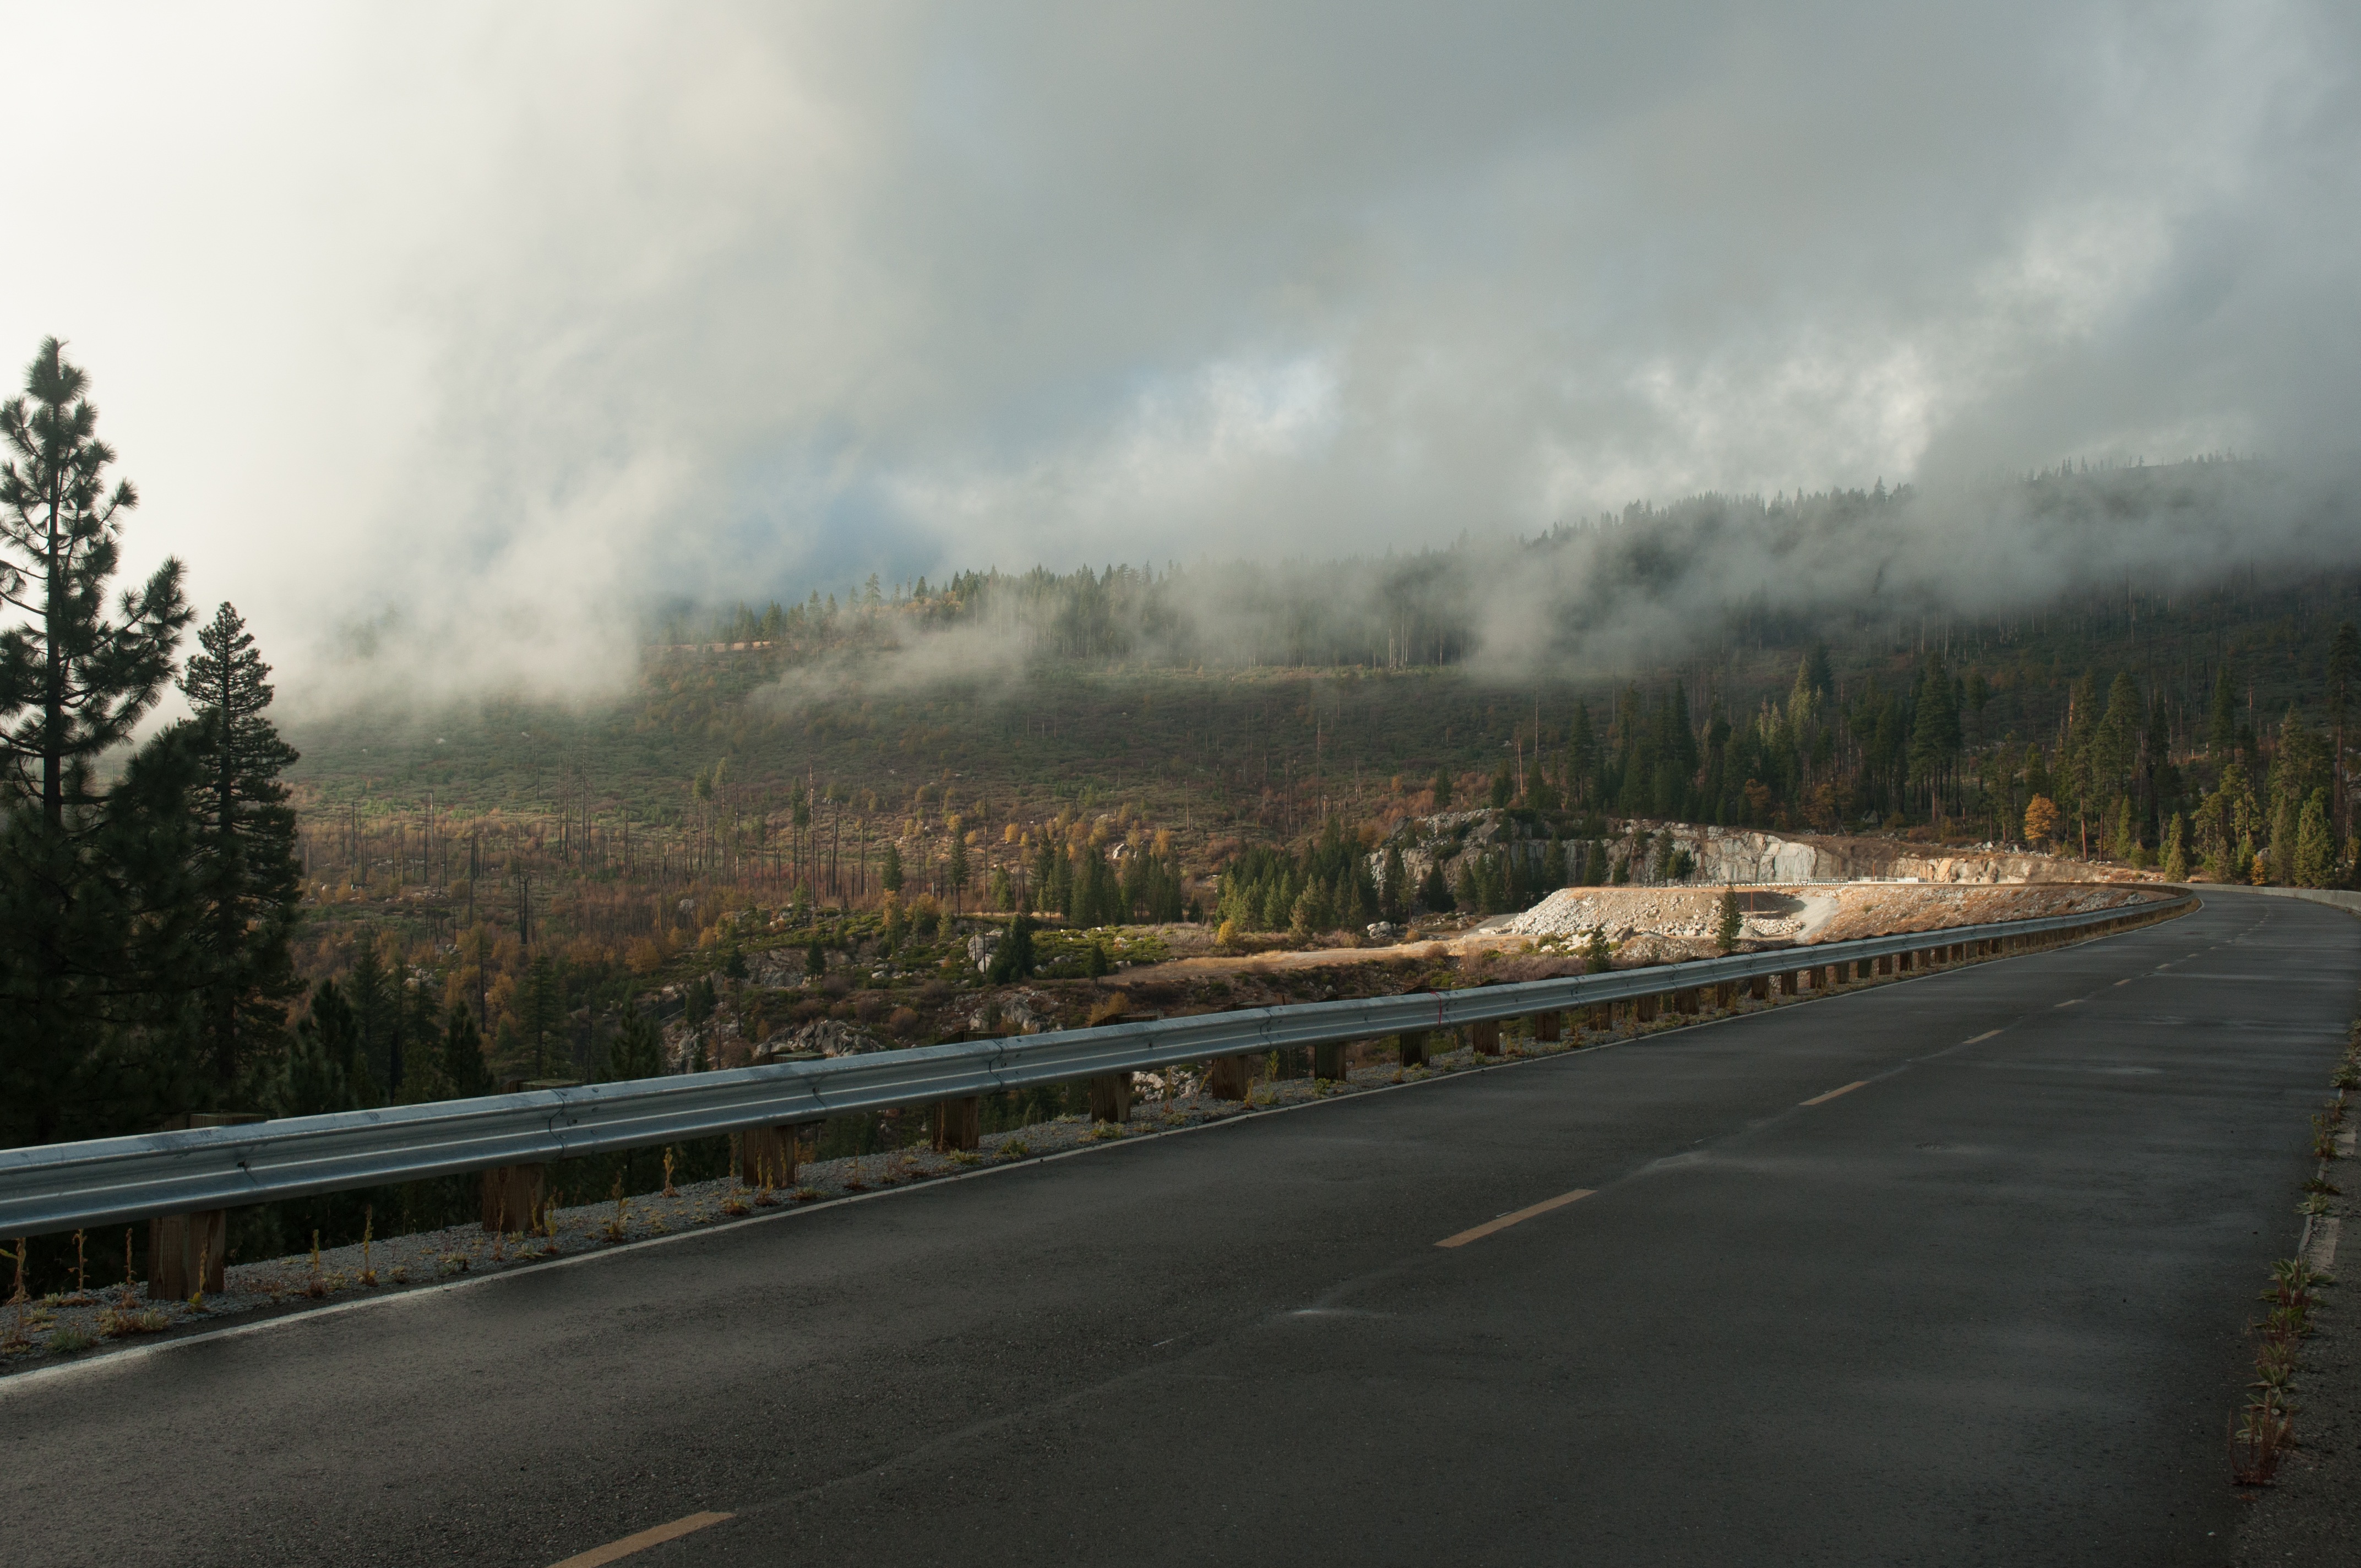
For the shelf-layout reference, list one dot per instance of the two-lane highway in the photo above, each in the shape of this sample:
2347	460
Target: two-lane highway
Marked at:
1948	1271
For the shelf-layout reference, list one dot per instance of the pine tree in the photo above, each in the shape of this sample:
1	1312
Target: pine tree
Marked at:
1934	732
247	872
1393	901
2316	845
542	1010
464	1073
1582	758
889	875
635	1051
2343	666
2175	850
93	913
1727	929
376	1003
955	871
1443	788
2223	734
1014	960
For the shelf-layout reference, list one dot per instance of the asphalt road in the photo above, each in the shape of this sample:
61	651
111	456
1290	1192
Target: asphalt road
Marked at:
1985	1308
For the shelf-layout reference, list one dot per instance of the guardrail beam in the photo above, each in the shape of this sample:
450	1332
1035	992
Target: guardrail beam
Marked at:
62	1187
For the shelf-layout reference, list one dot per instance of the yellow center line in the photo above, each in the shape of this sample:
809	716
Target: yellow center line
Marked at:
616	1550
1832	1094
2126	981
2071	1002
1980	1039
1502	1223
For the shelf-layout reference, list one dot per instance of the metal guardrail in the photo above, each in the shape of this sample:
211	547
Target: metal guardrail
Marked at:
58	1186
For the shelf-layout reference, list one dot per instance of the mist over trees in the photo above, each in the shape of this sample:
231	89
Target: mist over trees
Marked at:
1652	584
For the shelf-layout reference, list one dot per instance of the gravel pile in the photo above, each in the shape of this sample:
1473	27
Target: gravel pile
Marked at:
1623	913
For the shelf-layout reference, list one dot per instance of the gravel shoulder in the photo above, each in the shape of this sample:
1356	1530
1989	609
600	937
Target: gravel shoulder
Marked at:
2311	1513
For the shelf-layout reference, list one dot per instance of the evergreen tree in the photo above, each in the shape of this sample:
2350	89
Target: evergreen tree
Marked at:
94	963
247	873
1393	886
376	1001
324	1069
1443	788
2176	850
542	1010
1434	892
1582	758
1731	922
2343	666
1466	892
464	1073
957	870
889	875
2223	734
1015	960
2316	845
1934	732
635	1051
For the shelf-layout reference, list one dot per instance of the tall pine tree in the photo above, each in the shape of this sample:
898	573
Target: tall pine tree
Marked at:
246	877
92	913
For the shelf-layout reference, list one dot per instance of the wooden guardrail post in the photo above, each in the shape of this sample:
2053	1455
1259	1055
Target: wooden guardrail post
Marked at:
1328	1061
766	1155
187	1252
1486	1038
1603	1017
1547	1026
1413	1046
1225	1078
1759	987
1645	1010
1725	996
513	1197
1111	1096
958	1123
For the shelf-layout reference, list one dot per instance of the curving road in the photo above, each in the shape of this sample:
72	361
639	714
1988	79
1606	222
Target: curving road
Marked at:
1946	1271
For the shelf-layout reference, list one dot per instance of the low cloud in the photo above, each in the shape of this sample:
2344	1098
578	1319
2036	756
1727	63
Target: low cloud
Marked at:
450	342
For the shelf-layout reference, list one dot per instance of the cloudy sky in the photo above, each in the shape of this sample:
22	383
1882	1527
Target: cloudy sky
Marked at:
486	326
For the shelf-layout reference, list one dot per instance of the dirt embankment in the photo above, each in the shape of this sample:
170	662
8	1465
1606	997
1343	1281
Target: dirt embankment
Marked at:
1666	924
